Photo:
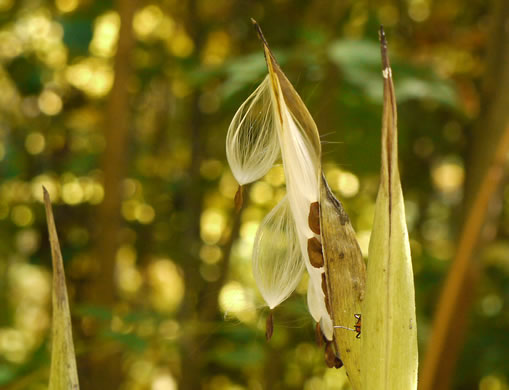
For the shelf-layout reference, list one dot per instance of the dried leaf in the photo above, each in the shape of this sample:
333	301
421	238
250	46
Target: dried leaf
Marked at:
63	374
389	333
346	275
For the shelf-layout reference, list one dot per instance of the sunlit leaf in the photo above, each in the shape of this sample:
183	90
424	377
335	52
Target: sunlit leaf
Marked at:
389	329
63	374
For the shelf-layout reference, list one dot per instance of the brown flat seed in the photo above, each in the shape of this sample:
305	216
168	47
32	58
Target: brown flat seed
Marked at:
269	327
326	297
330	356
314	218
315	252
327	305
319	334
338	363
239	198
324	284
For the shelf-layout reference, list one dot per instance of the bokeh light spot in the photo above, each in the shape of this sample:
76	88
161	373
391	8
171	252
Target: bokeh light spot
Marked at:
348	184
94	76
217	48
491	382
104	41
5	5
27	241
261	193
66	5
448	175
146	20
22	215
491	305
212	225
418	10
164	382
167	285
232	298
35	143
72	193
180	44
210	254
144	213
49	102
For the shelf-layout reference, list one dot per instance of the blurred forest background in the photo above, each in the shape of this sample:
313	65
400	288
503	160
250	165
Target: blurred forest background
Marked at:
121	110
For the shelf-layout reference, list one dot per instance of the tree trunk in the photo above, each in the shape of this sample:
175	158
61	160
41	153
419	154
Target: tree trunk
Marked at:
101	366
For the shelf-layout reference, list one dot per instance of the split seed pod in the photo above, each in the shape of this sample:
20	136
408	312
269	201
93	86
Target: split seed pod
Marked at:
346	277
301	153
389	332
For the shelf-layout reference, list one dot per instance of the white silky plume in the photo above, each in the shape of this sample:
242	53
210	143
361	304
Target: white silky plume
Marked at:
315	301
277	258
301	162
252	145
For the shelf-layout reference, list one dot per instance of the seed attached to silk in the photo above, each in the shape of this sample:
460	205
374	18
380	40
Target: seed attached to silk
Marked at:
315	252
314	217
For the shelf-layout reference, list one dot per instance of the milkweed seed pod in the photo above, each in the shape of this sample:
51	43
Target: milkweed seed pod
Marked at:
301	154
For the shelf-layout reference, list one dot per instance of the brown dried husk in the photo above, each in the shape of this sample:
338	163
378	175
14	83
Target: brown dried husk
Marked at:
346	277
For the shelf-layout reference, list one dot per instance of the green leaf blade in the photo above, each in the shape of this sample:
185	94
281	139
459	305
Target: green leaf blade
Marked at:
63	373
389	356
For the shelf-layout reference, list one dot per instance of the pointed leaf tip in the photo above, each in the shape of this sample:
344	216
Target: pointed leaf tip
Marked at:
63	373
384	51
259	32
389	355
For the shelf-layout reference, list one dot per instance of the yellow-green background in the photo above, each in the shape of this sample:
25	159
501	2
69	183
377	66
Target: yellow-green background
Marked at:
177	307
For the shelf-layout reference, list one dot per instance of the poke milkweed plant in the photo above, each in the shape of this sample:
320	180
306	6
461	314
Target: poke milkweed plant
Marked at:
309	230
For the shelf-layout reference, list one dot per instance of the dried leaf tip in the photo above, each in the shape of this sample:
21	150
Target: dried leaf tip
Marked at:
45	194
259	32
386	65
63	372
